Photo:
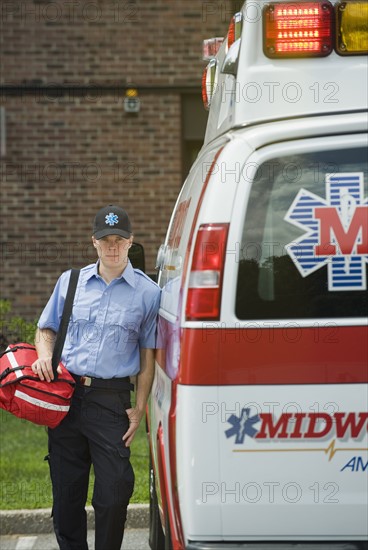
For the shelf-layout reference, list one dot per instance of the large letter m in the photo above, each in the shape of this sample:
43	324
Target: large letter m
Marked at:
332	230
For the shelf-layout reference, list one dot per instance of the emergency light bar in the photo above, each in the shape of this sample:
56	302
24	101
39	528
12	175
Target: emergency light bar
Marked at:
210	49
293	30
306	29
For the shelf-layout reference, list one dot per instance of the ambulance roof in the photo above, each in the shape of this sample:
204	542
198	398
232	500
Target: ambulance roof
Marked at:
262	88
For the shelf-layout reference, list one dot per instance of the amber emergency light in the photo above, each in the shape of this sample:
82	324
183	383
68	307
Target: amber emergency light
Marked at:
352	28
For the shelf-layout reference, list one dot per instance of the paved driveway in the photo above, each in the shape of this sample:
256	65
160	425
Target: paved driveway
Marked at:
134	539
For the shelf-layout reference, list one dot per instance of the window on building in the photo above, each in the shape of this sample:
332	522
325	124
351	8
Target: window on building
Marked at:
194	120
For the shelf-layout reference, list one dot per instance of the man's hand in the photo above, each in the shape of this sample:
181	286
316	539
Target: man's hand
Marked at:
144	384
135	416
43	368
44	341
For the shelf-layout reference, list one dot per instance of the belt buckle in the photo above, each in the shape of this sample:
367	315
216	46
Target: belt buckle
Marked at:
86	380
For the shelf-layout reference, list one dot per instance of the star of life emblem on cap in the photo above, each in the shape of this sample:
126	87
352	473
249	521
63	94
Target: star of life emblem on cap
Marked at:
111	219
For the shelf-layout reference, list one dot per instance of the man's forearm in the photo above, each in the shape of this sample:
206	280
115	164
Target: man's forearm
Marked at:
44	342
144	385
145	378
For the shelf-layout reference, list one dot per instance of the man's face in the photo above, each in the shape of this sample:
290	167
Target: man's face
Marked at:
112	250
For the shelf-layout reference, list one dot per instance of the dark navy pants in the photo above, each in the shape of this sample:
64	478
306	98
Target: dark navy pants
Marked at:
91	434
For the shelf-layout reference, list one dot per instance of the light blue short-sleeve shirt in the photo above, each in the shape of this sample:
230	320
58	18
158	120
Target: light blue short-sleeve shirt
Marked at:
109	324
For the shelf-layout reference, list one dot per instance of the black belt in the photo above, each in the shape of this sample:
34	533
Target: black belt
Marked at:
104	383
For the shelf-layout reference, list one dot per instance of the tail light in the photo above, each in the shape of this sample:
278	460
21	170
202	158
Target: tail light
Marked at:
205	280
301	29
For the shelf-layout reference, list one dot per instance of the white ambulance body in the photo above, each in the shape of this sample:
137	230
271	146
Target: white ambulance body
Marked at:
259	409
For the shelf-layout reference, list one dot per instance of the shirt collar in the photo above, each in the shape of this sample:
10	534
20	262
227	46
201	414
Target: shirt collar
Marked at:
127	275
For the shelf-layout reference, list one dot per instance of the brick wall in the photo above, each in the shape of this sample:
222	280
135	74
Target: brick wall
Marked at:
71	148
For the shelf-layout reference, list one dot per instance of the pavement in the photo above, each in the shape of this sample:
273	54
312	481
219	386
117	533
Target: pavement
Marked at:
39	521
134	539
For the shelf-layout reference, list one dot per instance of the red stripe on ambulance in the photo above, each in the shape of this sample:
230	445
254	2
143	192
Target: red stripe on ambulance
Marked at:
257	356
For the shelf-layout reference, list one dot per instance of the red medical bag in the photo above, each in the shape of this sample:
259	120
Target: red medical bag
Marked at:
23	394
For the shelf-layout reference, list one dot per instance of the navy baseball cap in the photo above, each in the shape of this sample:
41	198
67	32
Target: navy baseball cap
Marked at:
111	220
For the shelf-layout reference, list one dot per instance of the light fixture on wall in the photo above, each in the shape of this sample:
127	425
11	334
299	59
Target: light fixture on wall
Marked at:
132	102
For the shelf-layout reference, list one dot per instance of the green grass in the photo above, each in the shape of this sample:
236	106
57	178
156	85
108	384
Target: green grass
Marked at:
24	475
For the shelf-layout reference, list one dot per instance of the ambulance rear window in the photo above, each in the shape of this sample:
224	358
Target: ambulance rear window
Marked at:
305	238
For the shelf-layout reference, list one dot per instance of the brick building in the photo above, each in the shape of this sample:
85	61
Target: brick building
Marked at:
69	147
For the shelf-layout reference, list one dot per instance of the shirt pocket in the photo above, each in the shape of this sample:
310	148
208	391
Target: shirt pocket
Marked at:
123	328
79	325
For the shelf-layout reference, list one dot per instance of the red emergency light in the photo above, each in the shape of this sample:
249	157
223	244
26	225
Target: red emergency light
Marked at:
209	83
300	29
204	89
235	29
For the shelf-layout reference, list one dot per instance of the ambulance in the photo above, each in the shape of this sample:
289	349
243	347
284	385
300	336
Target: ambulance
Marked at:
258	415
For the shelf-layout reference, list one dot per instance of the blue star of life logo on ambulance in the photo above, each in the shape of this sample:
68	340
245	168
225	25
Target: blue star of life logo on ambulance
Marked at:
336	231
111	219
242	426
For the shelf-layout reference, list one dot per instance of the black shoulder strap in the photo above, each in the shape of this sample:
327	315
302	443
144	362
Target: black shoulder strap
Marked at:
68	306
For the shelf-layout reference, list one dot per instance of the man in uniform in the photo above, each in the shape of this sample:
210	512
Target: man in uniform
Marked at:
111	337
